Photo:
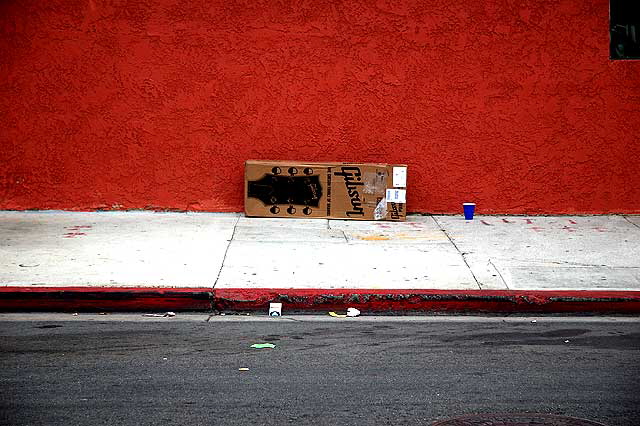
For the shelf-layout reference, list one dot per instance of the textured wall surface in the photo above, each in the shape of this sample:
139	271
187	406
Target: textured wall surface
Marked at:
124	104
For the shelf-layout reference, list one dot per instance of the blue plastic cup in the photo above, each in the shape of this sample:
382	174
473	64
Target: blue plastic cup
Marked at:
469	209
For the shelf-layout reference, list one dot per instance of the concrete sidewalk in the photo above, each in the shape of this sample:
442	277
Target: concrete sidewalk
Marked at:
146	260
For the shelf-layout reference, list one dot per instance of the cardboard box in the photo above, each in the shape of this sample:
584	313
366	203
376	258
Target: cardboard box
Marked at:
360	191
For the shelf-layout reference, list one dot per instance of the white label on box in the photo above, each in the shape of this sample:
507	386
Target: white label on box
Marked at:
396	195
399	177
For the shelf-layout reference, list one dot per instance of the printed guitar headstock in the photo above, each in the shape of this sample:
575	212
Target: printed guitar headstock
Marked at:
293	189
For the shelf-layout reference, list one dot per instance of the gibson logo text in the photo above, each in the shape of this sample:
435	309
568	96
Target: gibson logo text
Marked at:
395	211
352	179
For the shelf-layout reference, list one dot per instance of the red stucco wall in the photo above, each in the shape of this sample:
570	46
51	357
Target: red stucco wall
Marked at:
129	104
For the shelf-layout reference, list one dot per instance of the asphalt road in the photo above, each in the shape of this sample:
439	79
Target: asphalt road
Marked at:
130	370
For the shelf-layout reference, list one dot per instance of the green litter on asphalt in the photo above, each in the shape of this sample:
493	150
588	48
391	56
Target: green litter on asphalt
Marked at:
263	346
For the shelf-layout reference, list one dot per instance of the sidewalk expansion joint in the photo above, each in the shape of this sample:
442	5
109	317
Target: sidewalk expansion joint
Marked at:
344	234
464	259
224	258
499	274
633	223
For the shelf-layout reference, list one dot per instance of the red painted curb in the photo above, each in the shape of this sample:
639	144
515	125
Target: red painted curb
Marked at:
103	299
446	301
96	299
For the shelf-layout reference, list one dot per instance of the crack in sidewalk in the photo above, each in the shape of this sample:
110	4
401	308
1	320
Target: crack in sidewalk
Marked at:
549	262
224	258
464	259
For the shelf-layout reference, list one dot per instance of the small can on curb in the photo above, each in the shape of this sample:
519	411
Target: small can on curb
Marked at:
275	309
